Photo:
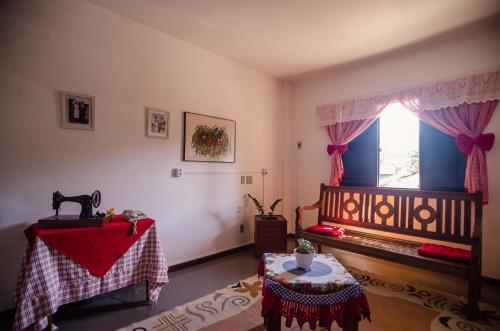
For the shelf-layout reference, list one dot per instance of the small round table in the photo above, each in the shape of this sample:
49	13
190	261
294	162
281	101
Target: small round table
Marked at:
325	293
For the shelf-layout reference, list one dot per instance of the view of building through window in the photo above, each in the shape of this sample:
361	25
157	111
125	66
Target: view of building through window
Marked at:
398	158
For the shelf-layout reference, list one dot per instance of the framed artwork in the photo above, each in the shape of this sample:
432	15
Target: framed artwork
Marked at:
157	123
209	139
77	111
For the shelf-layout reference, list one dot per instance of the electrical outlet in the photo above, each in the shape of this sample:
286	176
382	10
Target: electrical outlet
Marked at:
249	179
242	228
242	179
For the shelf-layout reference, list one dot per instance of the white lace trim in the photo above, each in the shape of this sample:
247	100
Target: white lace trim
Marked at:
478	87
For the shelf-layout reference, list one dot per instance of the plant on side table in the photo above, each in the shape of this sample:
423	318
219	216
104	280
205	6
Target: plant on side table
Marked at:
260	208
304	254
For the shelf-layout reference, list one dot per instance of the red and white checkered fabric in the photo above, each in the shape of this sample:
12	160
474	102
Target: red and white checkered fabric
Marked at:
49	279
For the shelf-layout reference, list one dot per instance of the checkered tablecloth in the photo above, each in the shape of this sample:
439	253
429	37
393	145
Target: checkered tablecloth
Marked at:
326	275
49	279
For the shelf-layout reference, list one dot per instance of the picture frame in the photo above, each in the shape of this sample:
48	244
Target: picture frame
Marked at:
209	139
157	123
77	111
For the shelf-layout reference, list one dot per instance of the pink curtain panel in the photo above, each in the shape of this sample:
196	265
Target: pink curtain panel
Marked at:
466	123
340	135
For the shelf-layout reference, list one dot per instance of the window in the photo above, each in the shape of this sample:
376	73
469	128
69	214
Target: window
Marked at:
399	150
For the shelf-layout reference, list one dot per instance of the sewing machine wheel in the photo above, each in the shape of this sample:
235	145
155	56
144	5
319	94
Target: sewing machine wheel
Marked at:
96	198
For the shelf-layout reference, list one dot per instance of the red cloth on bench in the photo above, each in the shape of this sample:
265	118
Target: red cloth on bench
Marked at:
94	248
326	230
444	252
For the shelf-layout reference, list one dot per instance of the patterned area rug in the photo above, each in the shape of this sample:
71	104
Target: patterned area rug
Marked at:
395	305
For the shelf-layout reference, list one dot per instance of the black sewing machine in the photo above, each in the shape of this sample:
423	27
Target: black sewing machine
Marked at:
86	217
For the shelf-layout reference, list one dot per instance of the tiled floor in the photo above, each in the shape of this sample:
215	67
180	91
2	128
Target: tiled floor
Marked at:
185	285
104	313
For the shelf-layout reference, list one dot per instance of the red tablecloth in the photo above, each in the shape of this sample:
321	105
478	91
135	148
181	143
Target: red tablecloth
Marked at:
50	279
94	248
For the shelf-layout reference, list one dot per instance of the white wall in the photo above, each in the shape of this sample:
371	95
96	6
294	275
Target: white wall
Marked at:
443	57
49	46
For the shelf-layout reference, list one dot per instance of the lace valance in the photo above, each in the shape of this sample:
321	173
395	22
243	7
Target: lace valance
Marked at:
478	87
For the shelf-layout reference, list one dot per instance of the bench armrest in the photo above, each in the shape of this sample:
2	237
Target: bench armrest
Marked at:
298	214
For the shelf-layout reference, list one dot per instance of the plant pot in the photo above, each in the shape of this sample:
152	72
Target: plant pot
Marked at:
304	261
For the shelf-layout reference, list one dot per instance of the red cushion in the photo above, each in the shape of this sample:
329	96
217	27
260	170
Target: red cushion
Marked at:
326	230
444	252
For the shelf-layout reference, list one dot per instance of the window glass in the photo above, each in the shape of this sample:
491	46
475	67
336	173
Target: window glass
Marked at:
399	148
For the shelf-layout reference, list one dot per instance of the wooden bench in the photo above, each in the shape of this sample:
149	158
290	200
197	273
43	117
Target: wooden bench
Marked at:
444	216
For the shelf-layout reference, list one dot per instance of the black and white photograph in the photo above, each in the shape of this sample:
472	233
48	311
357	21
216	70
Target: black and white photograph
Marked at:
77	111
157	123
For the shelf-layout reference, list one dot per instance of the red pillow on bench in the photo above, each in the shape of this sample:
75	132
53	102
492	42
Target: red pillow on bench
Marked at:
326	230
444	252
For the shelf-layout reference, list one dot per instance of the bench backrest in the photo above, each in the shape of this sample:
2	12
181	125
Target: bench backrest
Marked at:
447	216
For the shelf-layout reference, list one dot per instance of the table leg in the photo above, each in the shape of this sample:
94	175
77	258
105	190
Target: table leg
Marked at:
272	324
49	323
350	325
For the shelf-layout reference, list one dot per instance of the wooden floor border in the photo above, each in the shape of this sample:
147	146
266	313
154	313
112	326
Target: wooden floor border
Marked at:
208	258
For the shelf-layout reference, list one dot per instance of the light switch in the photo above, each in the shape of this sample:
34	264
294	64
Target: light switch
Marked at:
242	179
249	179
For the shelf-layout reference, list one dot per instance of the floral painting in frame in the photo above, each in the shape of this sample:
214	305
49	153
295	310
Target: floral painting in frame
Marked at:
209	139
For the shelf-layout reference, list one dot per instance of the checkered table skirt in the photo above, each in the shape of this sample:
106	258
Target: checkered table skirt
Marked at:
350	292
49	279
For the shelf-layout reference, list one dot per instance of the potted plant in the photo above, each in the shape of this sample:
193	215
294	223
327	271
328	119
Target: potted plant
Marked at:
304	253
260	208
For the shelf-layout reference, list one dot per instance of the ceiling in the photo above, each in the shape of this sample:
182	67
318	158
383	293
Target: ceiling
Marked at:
286	38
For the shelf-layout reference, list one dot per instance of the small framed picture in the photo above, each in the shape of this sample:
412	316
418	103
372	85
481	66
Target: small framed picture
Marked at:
157	123
77	111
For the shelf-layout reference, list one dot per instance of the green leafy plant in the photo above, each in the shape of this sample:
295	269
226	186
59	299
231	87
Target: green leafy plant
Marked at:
260	208
304	246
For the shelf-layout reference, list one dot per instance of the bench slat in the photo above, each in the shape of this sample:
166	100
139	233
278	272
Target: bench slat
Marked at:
467	218
360	211
396	210
411	211
372	209
457	221
439	216
403	211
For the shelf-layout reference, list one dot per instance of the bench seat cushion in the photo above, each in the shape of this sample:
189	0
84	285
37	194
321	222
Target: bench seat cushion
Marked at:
444	252
402	251
326	230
